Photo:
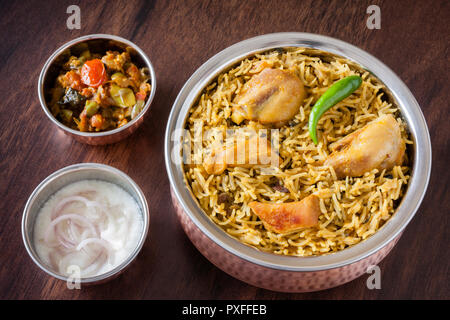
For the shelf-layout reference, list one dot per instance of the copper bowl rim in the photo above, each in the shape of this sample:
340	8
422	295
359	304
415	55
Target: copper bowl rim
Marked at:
73	42
409	108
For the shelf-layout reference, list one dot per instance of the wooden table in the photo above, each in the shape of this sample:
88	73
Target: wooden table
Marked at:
179	36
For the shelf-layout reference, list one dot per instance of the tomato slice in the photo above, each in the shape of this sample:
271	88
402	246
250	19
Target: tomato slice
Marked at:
93	73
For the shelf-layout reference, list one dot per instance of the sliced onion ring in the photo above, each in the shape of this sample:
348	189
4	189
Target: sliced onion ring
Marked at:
69	216
64	202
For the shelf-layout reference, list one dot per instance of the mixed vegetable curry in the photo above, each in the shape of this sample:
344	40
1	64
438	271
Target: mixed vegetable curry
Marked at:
99	93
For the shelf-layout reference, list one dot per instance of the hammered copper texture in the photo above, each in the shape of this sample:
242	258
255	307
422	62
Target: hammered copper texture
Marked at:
274	279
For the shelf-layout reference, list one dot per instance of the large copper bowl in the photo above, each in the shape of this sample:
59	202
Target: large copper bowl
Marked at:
287	273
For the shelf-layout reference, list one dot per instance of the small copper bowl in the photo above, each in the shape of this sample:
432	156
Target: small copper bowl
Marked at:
289	273
97	43
60	179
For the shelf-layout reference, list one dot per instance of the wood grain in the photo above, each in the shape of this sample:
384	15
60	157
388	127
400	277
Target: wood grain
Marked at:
179	36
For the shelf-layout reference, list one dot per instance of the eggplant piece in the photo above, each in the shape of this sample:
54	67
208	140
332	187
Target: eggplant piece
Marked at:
73	98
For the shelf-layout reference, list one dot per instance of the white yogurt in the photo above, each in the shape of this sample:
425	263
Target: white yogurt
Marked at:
90	225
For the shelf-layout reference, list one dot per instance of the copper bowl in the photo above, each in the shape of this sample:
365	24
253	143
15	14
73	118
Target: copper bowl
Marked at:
98	43
288	273
63	177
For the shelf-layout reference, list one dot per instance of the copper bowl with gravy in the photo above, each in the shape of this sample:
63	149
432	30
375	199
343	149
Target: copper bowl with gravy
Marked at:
290	273
100	43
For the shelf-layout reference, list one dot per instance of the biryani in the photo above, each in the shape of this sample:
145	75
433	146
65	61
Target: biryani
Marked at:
322	190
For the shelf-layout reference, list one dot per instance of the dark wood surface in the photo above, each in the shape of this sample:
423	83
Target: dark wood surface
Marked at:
179	36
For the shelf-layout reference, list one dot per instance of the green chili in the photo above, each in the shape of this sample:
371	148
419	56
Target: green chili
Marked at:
337	92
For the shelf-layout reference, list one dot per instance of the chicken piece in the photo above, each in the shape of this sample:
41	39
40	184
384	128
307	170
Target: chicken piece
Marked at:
290	216
271	97
378	145
245	152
